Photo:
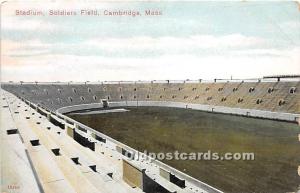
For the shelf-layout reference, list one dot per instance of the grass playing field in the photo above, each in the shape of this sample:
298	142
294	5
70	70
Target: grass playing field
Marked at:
161	129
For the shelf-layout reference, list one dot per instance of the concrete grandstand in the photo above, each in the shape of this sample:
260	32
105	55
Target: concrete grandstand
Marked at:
273	98
65	154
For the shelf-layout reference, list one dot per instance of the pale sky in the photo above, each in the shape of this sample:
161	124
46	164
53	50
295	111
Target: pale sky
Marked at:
190	40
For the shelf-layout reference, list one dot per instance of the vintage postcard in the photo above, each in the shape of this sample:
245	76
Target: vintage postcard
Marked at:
150	96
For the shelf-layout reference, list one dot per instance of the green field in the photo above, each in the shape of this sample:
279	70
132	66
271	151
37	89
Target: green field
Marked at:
161	129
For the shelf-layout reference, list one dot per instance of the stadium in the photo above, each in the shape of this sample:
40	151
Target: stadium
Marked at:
95	130
150	96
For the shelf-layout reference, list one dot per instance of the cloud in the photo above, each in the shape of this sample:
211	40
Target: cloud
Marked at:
141	47
167	43
13	51
291	26
175	46
247	57
94	68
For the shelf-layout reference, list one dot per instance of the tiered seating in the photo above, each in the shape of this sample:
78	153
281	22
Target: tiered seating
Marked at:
239	96
60	162
290	100
248	95
228	89
14	161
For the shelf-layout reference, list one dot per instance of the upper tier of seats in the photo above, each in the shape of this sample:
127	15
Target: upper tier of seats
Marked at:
279	96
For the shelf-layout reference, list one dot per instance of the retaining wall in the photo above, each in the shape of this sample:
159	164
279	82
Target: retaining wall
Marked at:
290	117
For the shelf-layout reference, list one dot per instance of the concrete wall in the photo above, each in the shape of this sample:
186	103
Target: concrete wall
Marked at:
80	107
208	108
137	177
133	175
